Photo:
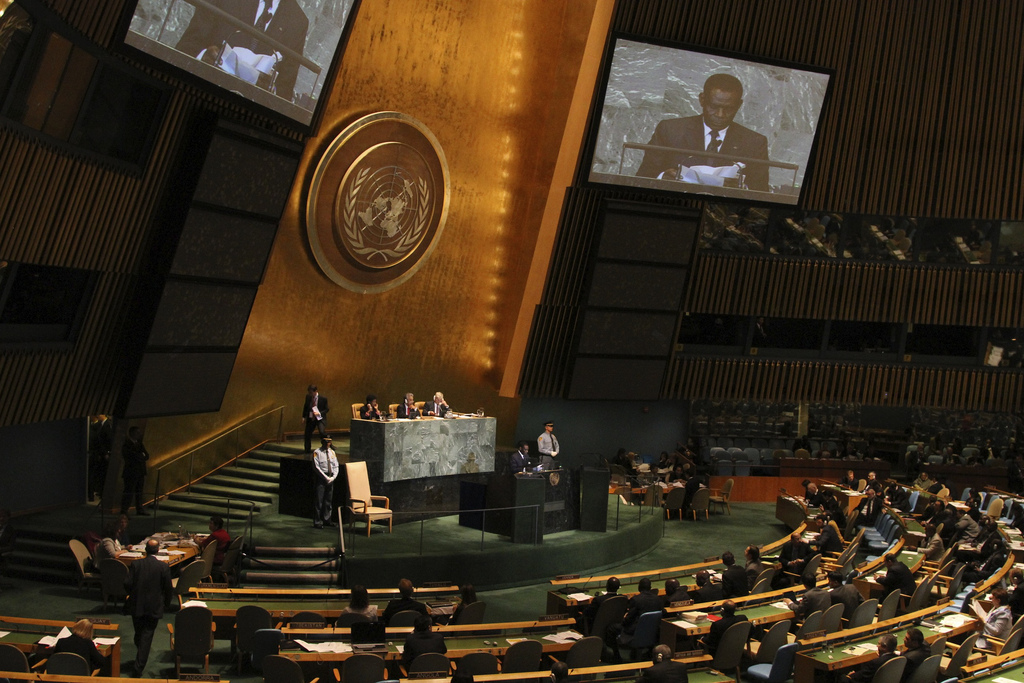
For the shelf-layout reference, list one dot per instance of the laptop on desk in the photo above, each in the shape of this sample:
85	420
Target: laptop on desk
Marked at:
369	636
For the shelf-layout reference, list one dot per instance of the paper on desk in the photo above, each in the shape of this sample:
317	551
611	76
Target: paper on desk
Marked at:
4	634
513	641
563	637
334	646
193	603
1003	679
781	604
175	552
955	620
684	623
163	558
50	641
102	642
858	650
133	555
579	597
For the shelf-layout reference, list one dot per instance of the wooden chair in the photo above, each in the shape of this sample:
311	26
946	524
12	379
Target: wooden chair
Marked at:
700	502
723	496
83	564
361	503
674	501
192	636
355	410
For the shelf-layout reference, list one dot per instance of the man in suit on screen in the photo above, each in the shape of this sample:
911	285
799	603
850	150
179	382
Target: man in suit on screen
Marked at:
713	130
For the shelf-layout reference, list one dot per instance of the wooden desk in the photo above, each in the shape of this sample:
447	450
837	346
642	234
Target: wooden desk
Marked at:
25	634
870	588
672	631
187	550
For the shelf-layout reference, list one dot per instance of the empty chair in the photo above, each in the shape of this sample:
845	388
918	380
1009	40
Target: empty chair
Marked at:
811	624
780	669
995	508
478	664
192	636
68	664
363	668
228	569
83	564
112	577
723	468
585	652
361	503
919	600
674	501
610	612
188	578
248	620
12	659
764	652
308	618
959	658
430	662
280	669
700	503
522	656
349	618
406	618
265	642
741	442
927	671
752	455
730	649
735	453
864	614
644	636
209	556
832	619
890	604
741	468
472	613
723	496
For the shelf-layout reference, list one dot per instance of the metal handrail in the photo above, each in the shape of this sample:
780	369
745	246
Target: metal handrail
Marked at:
251	505
192	452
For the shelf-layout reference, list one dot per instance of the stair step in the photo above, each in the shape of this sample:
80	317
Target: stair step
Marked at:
262	551
241	483
280	578
246	476
182	504
285	447
272	466
208	489
267	455
16	570
265	564
63	560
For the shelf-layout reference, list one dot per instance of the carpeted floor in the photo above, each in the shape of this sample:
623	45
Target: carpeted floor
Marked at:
683	542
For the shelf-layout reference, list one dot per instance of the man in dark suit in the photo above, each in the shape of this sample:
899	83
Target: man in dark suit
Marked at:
915	650
674	593
828	538
647	600
611	589
714	131
422	640
813	600
845	594
869	509
734	578
718	628
280	20
706	591
437	407
793	556
693	484
408	410
866	672
520	460
314	415
897	575
149	589
134	455
663	669
403	602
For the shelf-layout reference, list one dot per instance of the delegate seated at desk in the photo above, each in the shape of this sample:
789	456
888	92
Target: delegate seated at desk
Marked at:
437	407
663	669
408	410
422	641
866	672
403	602
80	643
370	410
520	460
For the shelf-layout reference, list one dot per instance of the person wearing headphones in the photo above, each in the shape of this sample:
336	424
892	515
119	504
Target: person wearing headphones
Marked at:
664	670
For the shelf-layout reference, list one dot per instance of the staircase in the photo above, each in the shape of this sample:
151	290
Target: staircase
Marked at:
41	554
306	567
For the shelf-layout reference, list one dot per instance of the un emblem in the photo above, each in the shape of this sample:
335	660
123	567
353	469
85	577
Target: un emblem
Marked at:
377	202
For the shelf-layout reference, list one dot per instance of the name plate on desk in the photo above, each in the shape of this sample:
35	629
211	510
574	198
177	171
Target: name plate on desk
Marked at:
681	603
437	584
815	634
567	577
686	654
311	625
199	677
713	558
421	675
97	621
551	617
213	585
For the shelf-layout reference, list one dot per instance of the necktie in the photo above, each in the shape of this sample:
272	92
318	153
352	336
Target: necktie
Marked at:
265	18
714	143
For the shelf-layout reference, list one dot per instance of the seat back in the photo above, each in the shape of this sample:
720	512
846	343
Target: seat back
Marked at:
730	648
959	658
82	556
13	659
889	605
811	624
610	612
782	665
891	671
995	508
67	664
522	656
308	617
647	629
265	642
927	671
478	664
472	613
190	576
248	620
355	410
752	455
723	468
674	499
920	597
112	578
193	632
772	641
210	556
363	668
742	468
430	662
358	481
864	613
938	645
1012	641
349	618
700	501
832	620
406	617
727	488
761	586
281	669
585	652
862	484
811	568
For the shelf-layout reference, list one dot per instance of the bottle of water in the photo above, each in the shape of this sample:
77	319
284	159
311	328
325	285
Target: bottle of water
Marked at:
180	537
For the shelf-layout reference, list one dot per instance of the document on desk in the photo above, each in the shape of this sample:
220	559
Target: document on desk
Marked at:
684	623
563	637
4	634
50	641
193	603
103	642
333	646
856	650
579	597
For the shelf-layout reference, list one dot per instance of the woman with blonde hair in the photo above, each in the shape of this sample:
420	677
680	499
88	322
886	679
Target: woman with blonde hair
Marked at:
79	643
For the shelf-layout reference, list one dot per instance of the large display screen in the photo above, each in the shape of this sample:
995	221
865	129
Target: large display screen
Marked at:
686	120
278	54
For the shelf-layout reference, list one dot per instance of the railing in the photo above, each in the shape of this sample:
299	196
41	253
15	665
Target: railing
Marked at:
228	503
219	451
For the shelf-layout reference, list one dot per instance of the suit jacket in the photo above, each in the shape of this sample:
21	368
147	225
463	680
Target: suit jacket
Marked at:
813	600
288	26
718	629
869	509
709	593
641	603
789	553
934	549
828	540
754	570
135	456
848	596
914	659
590	611
688	133
321	405
665	672
518	461
148	586
898	576
867	670
368	412
400	605
734	582
440	410
418	643
407	412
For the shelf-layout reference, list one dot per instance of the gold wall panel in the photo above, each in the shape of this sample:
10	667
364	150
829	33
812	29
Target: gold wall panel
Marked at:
488	79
